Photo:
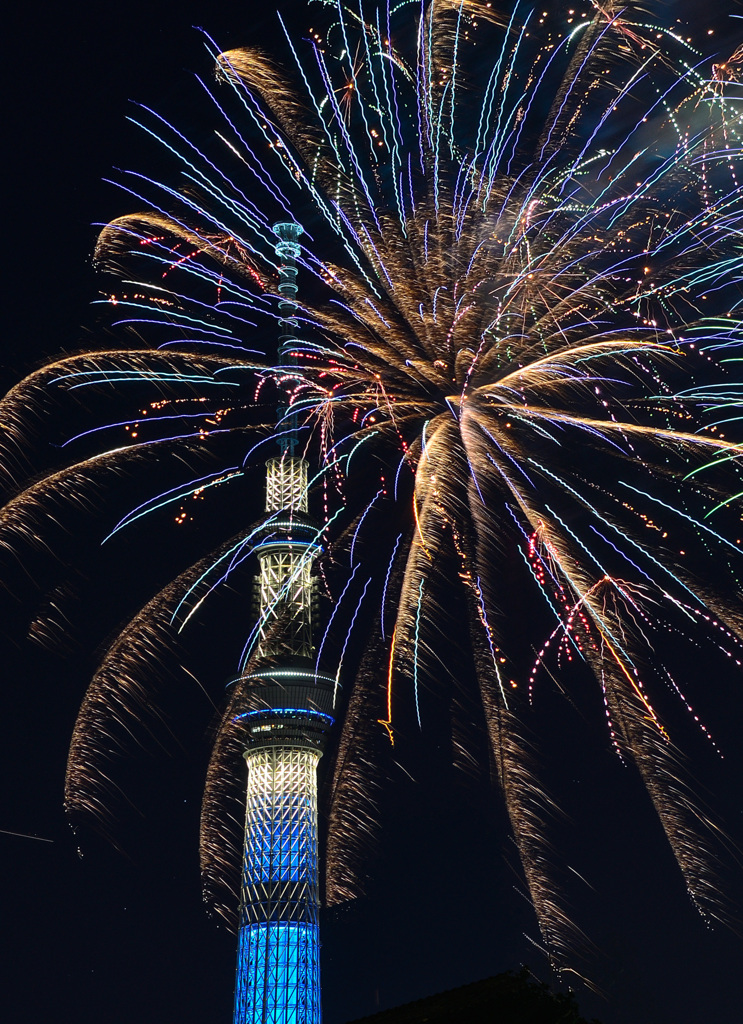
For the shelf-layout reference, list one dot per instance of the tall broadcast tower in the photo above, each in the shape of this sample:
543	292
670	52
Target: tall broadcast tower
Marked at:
288	711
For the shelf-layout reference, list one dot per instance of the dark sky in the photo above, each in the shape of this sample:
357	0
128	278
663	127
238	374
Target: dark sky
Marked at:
122	937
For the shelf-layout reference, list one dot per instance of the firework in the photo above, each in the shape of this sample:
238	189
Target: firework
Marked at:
522	265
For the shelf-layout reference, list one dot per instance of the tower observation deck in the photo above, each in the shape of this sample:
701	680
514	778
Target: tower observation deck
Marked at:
288	710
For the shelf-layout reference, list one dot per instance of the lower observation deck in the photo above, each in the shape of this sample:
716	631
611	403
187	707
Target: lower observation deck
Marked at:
288	704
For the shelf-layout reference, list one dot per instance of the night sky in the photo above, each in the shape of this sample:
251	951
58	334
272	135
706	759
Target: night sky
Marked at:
121	935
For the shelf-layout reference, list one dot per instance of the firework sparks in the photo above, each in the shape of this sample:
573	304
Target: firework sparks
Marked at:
523	279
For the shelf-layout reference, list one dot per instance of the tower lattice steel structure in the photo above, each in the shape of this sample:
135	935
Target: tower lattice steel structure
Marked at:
288	711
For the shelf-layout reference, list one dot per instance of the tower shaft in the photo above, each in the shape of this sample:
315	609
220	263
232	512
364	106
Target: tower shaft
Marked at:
288	708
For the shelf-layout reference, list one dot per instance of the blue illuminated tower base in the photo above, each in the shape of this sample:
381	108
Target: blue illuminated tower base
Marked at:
278	977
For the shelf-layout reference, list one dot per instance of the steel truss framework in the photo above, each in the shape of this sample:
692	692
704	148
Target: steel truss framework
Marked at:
286	587
280	863
286	484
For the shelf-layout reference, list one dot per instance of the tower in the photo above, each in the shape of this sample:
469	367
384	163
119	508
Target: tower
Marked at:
288	711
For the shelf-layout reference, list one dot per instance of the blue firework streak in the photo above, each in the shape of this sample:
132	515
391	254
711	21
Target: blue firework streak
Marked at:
522	249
